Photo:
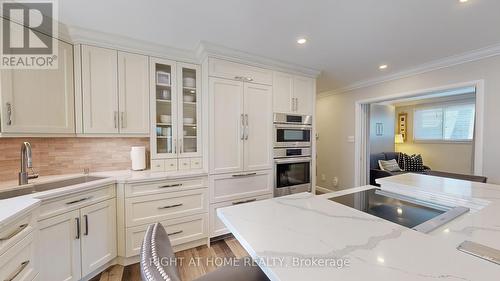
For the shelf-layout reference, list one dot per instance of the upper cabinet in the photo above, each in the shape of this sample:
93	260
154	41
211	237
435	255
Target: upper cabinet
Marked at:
293	94
115	93
175	114
241	72
39	101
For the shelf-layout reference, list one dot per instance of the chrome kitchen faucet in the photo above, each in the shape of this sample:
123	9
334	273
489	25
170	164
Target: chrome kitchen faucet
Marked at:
26	163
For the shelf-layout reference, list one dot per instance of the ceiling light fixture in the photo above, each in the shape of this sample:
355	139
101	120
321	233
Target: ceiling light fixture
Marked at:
301	41
383	66
463	1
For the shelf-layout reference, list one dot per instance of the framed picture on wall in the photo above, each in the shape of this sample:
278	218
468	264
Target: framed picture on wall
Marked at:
402	124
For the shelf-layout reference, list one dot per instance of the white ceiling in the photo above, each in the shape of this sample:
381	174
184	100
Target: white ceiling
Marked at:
348	39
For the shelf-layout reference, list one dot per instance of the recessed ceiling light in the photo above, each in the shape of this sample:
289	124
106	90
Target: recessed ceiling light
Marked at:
301	41
463	1
383	66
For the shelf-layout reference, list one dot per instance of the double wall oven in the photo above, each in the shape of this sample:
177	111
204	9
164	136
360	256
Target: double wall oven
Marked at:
292	153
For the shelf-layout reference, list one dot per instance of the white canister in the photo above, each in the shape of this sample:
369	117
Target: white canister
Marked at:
138	157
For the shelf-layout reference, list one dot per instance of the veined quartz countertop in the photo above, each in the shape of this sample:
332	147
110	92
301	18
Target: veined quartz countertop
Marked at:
302	228
11	208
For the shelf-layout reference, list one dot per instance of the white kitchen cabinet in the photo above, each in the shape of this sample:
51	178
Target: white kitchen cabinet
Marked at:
240	185
76	243
99	90
293	94
59	247
98	235
237	71
240	126
226	125
282	92
303	91
133	90
39	101
20	262
259	127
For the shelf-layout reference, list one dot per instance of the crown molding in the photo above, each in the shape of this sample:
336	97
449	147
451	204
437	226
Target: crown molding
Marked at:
78	35
207	49
475	55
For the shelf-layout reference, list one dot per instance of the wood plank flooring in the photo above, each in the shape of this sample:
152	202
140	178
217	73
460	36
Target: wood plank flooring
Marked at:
226	248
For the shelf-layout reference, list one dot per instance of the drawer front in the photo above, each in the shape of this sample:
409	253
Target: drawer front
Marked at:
19	262
196	163
241	185
140	189
170	165
217	227
56	206
181	231
157	165
16	231
184	164
232	70
153	208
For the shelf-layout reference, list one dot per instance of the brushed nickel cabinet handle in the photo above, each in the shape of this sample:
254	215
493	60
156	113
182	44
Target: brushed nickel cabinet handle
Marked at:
77	221
170	185
19	269
244	175
174	233
122	120
242	118
249	79
86	219
15	232
170	206
244	201
115	119
78	200
246	127
9	113
296	104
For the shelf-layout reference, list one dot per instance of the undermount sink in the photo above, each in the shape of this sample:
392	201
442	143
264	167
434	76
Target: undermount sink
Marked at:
47	186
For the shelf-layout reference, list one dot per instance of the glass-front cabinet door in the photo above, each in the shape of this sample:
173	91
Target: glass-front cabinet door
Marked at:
189	88
163	108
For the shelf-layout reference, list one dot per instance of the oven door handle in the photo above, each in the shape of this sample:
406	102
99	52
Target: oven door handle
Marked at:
293	160
293	127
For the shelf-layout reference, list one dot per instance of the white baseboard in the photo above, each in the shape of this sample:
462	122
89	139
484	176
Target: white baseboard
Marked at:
323	189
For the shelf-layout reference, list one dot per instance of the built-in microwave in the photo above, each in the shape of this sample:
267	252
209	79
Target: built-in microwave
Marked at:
292	130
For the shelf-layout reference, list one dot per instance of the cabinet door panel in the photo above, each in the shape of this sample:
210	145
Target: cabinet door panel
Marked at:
282	92
59	248
40	101
98	245
226	128
100	90
259	127
303	90
133	77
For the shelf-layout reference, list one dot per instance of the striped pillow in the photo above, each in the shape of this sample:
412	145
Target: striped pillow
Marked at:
390	166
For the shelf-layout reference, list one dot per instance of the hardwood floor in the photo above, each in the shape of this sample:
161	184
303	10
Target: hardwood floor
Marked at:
227	248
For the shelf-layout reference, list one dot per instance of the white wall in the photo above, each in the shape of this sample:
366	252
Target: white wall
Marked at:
336	113
439	156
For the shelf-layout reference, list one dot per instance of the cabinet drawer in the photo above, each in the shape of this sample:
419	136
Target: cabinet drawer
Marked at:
157	165
184	164
14	232
237	71
170	165
181	231
139	189
64	204
153	208
217	227
196	163
241	185
19	262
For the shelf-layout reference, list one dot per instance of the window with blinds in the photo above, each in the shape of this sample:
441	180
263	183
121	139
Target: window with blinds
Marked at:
452	122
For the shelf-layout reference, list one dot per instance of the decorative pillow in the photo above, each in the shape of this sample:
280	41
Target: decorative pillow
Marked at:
390	166
402	160
414	163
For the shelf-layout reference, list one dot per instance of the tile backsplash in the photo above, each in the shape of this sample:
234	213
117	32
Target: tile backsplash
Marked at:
54	156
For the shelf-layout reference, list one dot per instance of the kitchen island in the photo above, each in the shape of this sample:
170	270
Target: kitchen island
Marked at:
307	237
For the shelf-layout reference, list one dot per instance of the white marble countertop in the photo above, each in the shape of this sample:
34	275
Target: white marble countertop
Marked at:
13	207
302	226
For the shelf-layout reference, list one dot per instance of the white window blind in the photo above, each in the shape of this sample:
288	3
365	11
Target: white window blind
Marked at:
454	122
